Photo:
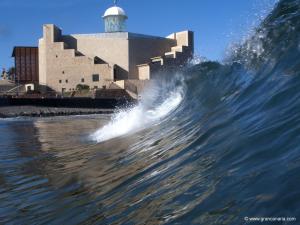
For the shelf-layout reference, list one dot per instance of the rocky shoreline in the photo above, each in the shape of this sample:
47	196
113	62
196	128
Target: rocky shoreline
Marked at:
37	111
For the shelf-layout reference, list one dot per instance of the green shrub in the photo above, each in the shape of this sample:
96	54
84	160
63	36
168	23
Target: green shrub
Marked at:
81	87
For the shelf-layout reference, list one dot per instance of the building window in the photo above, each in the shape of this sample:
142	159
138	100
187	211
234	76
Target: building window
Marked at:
56	56
67	81
82	80
95	87
59	81
95	77
63	72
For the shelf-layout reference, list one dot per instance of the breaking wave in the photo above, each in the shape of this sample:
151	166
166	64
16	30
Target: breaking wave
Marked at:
139	117
225	138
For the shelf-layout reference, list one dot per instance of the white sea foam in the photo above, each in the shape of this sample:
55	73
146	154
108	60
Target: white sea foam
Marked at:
139	117
196	59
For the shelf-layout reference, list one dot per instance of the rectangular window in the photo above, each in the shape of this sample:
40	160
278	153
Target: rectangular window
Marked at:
95	87
67	81
95	77
82	80
59	81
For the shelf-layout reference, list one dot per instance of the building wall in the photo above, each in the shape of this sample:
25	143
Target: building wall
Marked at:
142	48
143	72
177	53
110	47
61	69
186	39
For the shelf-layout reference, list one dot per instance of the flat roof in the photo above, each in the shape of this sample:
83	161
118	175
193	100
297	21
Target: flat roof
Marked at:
17	47
125	35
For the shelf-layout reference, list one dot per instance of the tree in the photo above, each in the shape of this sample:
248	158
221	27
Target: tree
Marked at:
11	73
4	74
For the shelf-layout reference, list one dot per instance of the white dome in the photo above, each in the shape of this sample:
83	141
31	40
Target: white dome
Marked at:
114	11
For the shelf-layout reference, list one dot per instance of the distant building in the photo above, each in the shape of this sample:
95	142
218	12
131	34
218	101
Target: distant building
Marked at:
26	64
103	59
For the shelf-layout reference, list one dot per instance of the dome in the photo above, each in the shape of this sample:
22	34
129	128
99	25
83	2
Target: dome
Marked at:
114	11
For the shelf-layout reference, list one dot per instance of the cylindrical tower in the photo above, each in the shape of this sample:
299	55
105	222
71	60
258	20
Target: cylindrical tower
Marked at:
115	19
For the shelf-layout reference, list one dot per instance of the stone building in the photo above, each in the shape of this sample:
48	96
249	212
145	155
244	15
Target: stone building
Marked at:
106	59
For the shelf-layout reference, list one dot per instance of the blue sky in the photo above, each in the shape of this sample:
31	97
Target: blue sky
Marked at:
216	23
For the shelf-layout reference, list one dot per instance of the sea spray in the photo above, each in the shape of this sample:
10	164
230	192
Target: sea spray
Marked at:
157	101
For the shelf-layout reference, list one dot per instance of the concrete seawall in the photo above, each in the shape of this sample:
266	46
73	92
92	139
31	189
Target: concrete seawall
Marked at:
67	102
35	111
41	107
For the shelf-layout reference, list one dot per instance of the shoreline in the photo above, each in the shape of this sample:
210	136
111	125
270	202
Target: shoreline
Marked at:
40	111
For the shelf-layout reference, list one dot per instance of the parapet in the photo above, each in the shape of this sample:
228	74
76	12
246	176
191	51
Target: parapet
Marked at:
51	33
184	38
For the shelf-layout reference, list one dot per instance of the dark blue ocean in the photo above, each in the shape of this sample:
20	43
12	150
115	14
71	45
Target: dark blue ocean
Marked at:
211	143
